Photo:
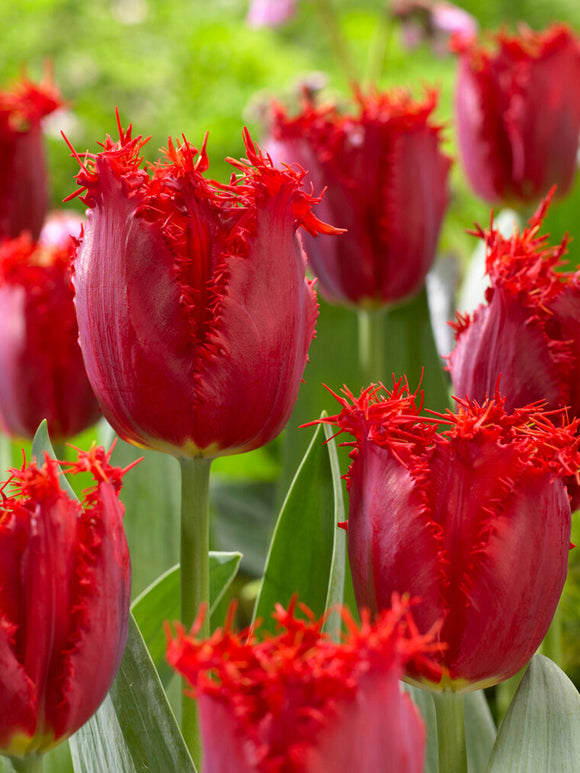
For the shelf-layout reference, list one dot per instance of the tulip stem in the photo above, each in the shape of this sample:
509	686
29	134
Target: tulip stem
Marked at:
371	345
450	732
32	763
194	573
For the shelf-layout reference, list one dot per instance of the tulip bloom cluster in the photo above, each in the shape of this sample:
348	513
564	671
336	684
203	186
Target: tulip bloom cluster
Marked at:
23	175
42	375
474	520
64	601
386	181
194	312
518	113
300	703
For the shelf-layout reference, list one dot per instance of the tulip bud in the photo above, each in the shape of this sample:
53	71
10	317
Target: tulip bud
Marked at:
42	374
194	312
301	703
518	113
474	520
386	183
64	601
23	176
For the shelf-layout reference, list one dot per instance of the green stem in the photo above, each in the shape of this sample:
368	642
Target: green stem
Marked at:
32	763
194	573
329	20
371	345
450	732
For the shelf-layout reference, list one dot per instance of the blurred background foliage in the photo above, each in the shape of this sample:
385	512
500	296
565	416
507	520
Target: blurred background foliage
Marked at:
195	66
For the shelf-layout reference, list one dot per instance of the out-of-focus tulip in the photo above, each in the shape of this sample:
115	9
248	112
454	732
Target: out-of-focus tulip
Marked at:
427	20
194	312
42	374
270	13
474	520
64	600
60	227
518	113
386	180
300	703
23	176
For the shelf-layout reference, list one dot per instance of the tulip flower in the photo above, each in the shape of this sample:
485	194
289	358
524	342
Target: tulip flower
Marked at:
64	599
518	113
299	702
473	519
194	312
195	315
386	183
527	334
23	176
42	374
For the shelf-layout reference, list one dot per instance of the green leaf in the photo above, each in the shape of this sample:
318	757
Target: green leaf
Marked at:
160	602
337	572
480	732
41	443
151	496
541	730
424	701
300	559
134	731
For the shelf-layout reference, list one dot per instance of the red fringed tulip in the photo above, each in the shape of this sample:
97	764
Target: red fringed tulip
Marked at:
64	601
194	312
518	113
386	181
473	520
527	334
23	176
299	703
42	374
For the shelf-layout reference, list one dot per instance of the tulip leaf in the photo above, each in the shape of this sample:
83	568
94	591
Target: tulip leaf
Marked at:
541	730
160	603
300	558
151	496
424	701
134	731
41	443
337	573
480	732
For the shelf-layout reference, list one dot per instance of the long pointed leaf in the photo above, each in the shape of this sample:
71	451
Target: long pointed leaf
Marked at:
301	552
134	731
160	602
541	730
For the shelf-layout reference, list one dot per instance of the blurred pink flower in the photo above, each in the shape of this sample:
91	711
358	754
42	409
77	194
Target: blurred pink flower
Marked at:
270	13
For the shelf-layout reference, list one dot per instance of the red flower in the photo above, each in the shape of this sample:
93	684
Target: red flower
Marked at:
473	520
518	113
23	177
528	332
64	601
299	703
194	313
386	181
42	375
